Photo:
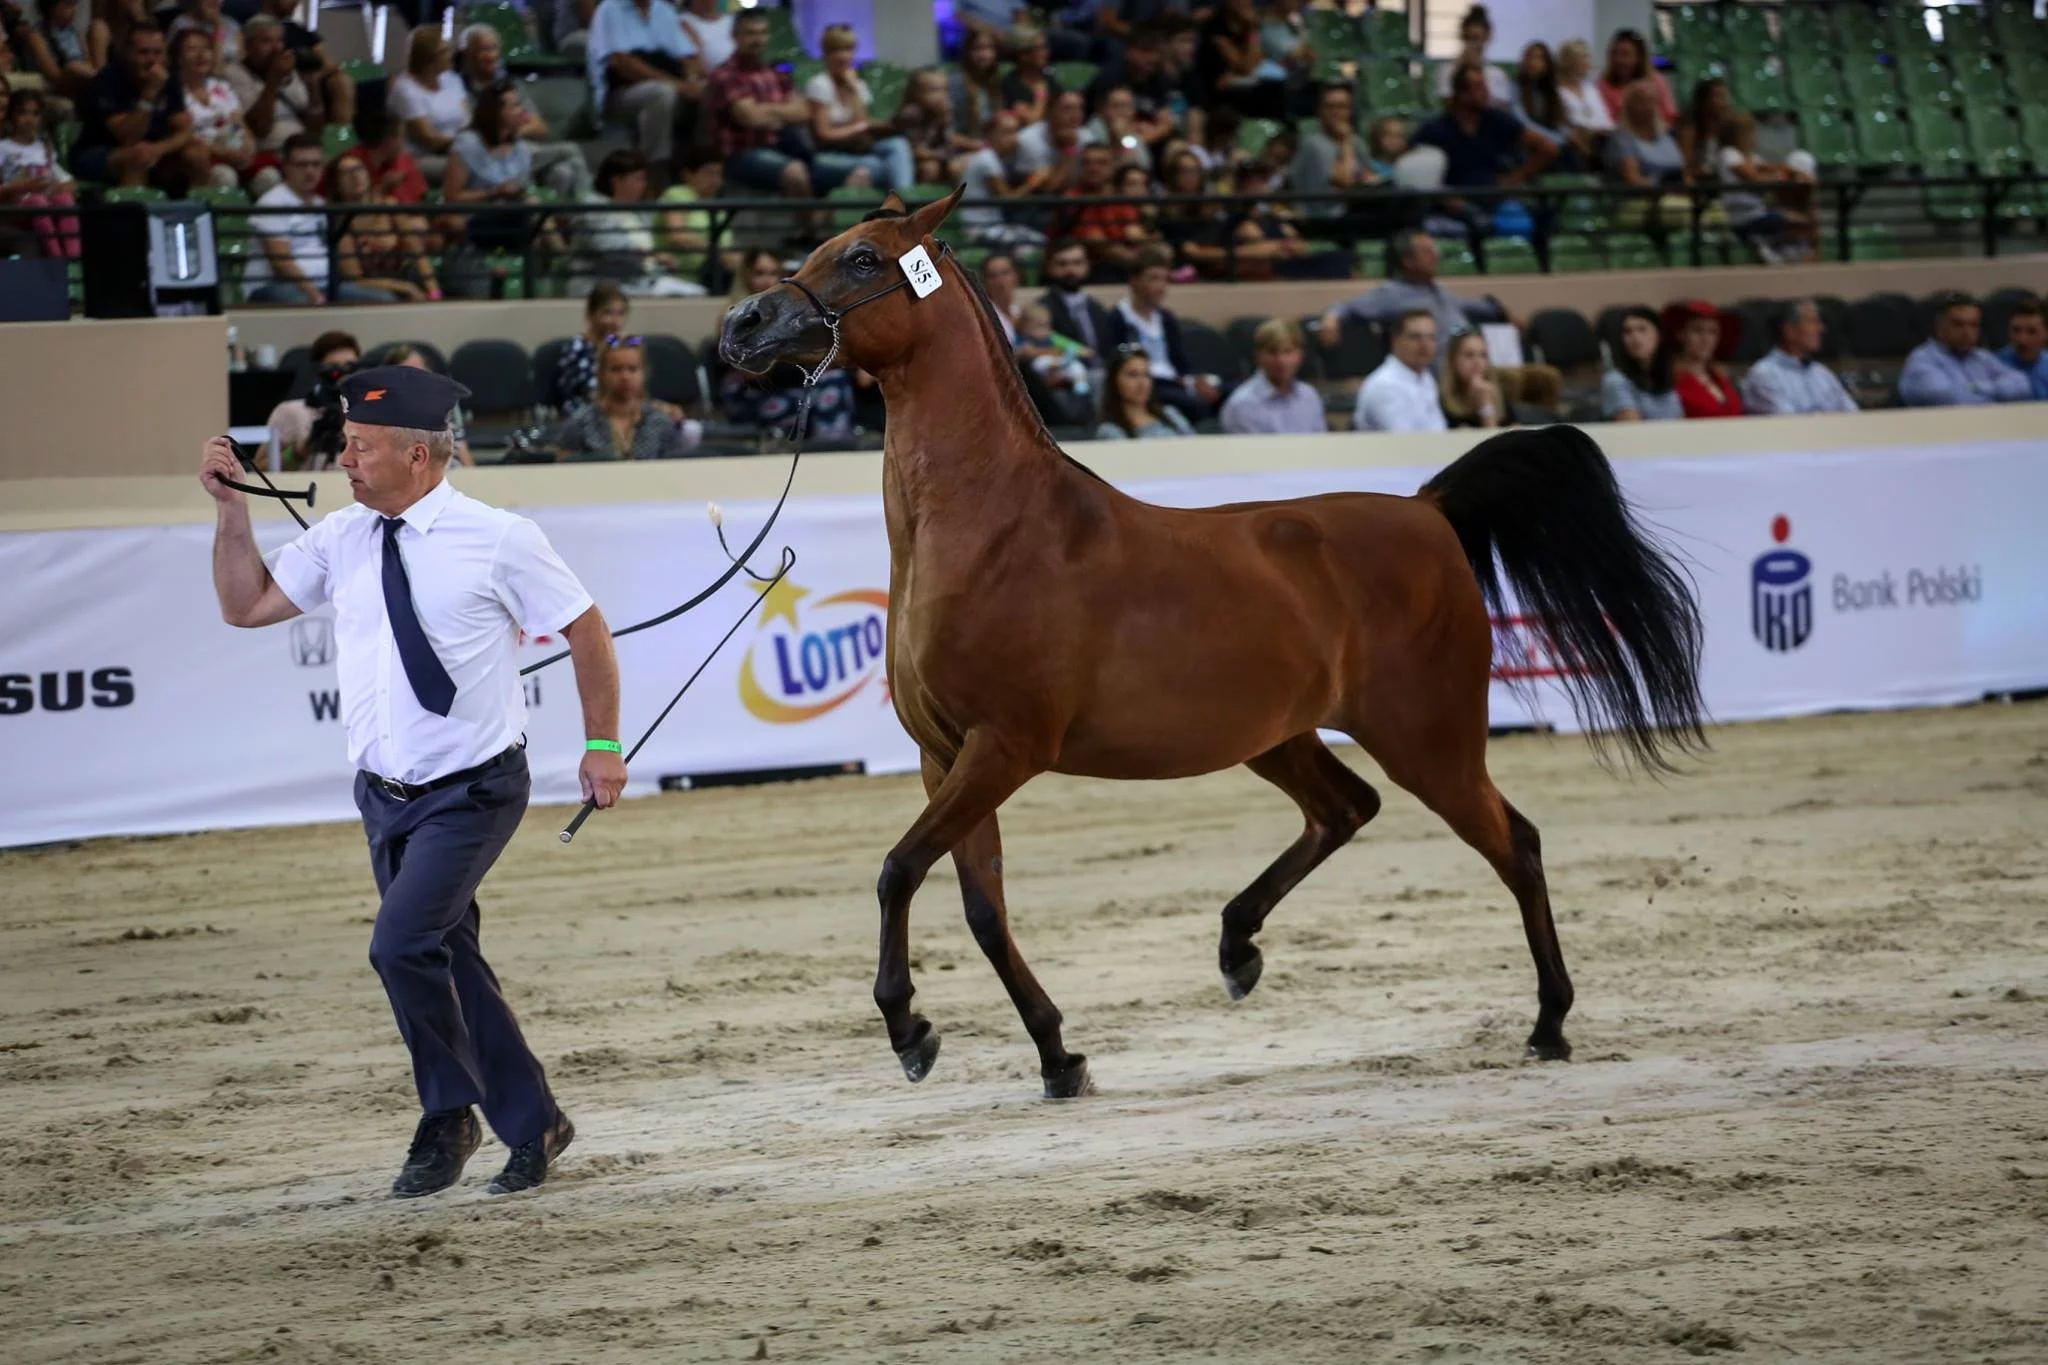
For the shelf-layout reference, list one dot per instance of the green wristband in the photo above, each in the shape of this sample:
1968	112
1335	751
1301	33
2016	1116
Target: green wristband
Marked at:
610	746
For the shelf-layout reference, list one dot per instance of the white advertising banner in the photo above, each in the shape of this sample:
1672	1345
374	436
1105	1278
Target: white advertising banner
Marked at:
1828	581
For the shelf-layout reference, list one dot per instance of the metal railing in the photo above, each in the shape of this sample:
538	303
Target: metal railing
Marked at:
1584	213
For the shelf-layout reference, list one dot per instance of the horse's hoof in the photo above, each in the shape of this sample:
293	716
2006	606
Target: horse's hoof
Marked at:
1552	1049
917	1059
1240	979
1071	1081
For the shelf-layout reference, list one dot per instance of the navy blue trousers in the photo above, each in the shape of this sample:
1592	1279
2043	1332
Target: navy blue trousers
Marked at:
430	853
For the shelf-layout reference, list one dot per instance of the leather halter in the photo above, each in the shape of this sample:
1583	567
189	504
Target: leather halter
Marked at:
832	317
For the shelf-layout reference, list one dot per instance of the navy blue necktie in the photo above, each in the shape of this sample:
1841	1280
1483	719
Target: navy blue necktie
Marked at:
430	682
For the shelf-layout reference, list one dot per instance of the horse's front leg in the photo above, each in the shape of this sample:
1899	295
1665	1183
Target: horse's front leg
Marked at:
981	777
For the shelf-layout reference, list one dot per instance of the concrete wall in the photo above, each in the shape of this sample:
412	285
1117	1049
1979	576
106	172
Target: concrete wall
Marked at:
85	397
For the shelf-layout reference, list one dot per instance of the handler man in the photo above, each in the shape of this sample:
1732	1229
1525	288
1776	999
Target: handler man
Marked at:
430	588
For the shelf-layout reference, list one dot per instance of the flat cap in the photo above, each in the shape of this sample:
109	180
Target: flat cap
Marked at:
400	396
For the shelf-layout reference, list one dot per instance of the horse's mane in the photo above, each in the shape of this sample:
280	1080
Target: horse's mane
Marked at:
1016	380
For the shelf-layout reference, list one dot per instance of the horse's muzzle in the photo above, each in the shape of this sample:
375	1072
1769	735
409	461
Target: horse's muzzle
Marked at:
772	325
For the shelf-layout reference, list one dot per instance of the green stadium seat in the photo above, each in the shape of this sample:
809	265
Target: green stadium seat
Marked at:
1872	242
364	72
1576	251
1966	30
1759	86
2034	132
1815	81
1747	30
1578	213
802	69
1453	260
886	83
783	47
1858	27
1510	256
336	138
1809	29
1994	138
1910	40
1386	87
1075	75
2016	28
1830	134
133	194
1982	82
851	204
1386	34
1633	251
1254	133
1939	149
1882	137
1871	82
1928	83
1695	28
1333	33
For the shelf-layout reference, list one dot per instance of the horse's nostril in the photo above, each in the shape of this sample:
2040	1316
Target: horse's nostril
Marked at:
749	317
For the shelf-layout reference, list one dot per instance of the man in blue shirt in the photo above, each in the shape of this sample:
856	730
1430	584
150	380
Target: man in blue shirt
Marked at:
2027	344
644	73
1791	378
1951	370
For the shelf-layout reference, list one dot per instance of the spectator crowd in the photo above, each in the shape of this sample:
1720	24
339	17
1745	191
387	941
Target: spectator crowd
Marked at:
1185	99
1173	103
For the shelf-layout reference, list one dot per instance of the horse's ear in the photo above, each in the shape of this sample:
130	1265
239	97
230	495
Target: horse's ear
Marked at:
894	204
927	219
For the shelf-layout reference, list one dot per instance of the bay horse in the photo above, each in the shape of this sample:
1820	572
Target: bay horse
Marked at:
1040	620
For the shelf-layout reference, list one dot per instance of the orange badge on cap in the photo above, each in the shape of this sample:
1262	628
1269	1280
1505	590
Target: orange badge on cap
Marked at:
373	395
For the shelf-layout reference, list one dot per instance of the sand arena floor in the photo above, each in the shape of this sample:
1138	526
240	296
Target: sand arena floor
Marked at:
1808	1119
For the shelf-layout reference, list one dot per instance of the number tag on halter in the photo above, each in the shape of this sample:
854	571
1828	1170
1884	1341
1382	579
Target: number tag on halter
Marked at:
917	266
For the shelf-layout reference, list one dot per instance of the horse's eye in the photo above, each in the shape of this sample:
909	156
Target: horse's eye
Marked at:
863	260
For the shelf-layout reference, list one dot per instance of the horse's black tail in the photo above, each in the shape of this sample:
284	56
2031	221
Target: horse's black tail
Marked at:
1544	503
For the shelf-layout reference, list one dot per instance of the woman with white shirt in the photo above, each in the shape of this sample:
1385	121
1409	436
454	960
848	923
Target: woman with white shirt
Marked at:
430	101
1475	31
219	133
853	149
1585	108
709	30
206	16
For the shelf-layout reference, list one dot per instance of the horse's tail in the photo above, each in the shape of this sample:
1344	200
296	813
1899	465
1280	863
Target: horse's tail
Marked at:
1544	503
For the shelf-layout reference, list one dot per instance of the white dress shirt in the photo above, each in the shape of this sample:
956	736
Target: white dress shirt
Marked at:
479	576
1396	398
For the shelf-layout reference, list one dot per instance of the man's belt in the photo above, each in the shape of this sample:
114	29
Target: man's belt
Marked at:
413	791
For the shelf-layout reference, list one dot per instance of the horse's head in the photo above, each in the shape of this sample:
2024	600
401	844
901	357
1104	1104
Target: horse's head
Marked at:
859	280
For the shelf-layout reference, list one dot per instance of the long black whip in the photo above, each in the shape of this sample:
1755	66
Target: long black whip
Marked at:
788	562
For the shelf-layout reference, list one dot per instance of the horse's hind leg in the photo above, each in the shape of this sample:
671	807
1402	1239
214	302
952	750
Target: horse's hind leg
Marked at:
1446	769
979	860
1335	804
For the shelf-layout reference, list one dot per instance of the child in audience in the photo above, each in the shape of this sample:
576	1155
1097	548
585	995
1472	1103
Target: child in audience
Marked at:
31	175
1061	361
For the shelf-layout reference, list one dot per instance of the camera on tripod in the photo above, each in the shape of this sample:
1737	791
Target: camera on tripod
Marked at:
323	443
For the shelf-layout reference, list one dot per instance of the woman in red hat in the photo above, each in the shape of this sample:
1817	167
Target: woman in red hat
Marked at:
1705	337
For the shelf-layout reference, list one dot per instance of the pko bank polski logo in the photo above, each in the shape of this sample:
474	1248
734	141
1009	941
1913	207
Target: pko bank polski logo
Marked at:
813	654
1781	593
1782	607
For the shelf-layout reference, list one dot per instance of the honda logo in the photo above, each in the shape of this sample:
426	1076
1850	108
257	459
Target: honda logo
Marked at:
312	642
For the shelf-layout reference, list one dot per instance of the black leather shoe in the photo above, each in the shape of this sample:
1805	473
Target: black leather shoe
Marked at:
530	1160
441	1146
